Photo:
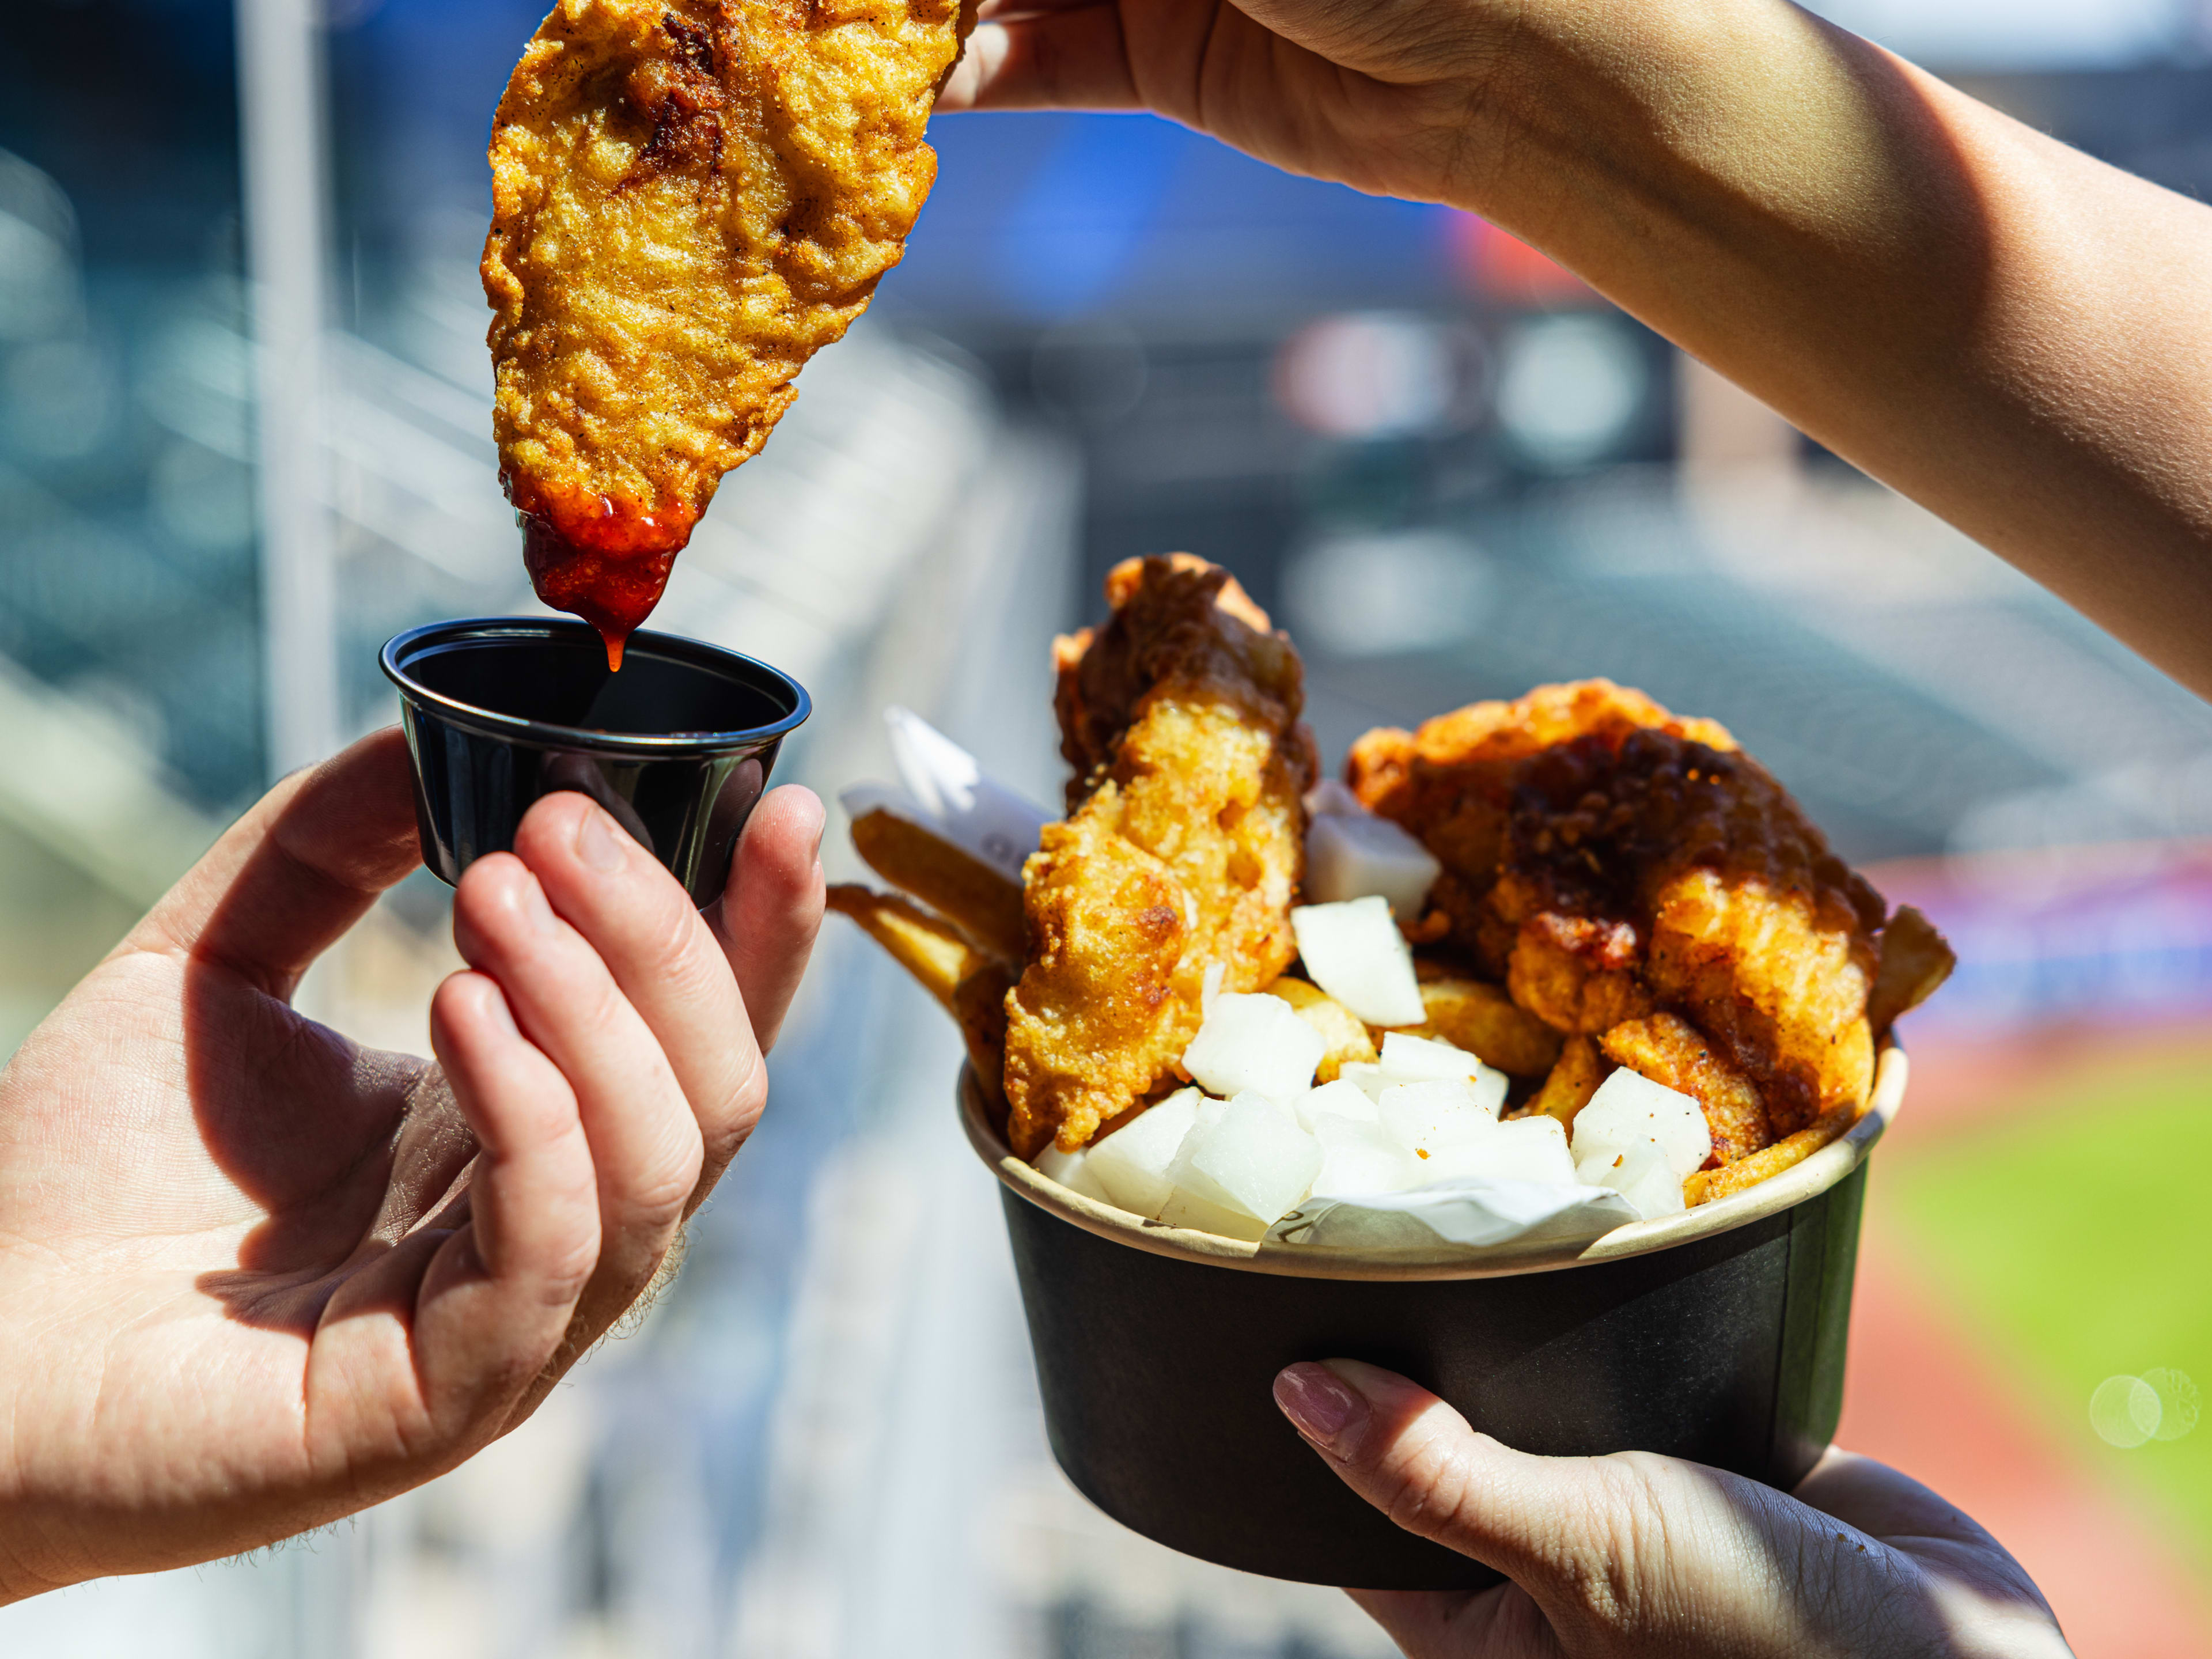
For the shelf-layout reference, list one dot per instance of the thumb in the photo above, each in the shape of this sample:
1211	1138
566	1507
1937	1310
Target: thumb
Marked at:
1565	1529
296	870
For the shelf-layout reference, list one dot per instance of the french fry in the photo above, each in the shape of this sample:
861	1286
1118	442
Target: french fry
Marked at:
1573	1080
971	985
1670	1050
1486	1022
1915	960
975	898
937	954
1704	1185
1340	1027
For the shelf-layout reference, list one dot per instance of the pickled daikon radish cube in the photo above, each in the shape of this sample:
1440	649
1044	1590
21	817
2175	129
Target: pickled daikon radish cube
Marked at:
1424	1059
1131	1163
1359	855
1424	1118
1254	1043
1247	1156
1359	1160
1526	1149
1355	953
1640	1172
1072	1170
1630	1109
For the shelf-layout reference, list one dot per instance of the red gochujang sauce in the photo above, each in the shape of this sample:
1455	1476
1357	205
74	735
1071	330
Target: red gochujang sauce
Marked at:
596	558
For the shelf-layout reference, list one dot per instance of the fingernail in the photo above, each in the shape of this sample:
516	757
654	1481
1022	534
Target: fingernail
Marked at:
598	842
1325	1408
535	910
496	1011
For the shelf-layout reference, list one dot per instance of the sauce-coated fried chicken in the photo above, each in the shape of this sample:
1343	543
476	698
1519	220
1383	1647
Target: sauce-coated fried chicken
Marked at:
691	197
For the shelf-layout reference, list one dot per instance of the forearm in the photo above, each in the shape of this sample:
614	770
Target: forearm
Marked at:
1996	325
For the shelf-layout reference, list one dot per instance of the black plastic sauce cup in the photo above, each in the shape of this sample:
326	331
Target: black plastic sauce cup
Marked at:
501	710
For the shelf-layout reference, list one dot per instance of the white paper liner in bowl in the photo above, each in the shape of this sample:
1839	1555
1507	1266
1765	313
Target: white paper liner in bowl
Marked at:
945	790
1462	1230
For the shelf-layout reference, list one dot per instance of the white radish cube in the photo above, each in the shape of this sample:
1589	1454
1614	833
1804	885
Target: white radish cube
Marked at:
1247	1155
1630	1109
1355	953
1331	797
1526	1149
1072	1172
1131	1163
1363	1075
1425	1117
1255	1042
1339	1099
1186	1209
1358	1160
1424	1059
1359	855
1641	1172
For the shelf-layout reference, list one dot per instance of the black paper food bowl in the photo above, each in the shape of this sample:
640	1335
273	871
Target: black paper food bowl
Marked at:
1716	1335
501	710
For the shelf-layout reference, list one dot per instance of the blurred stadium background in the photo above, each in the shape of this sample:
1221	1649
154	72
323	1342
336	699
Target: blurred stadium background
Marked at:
244	436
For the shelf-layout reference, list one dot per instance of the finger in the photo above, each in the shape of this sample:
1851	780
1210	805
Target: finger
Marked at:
489	1307
298	870
1876	1499
644	1142
663	957
1545	1522
1499	1623
1071	59
772	908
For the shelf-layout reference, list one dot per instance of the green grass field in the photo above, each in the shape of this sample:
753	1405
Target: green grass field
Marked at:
2078	1234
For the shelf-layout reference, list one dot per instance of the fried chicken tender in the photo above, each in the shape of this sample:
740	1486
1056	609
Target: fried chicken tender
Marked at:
1450	784
1749	925
1184	846
691	197
1628	871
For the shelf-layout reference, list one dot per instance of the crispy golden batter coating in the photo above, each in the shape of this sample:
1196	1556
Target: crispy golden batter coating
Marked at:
1450	783
691	197
1166	622
1576	973
1670	1050
1748	923
1186	849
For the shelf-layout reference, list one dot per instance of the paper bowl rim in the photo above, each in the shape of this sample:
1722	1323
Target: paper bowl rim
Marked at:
1802	1181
